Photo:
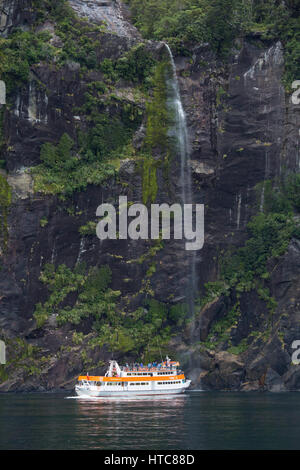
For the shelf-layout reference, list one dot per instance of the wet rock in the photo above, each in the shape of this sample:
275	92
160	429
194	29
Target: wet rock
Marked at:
292	378
111	13
227	372
21	184
251	386
274	382
211	313
270	355
139	137
201	168
127	167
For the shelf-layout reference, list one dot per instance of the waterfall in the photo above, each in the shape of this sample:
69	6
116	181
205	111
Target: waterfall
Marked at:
239	205
82	250
180	132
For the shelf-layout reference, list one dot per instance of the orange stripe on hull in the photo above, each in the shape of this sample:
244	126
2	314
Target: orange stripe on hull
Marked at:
131	379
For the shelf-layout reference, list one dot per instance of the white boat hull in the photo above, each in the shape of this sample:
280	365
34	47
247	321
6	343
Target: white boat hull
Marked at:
92	392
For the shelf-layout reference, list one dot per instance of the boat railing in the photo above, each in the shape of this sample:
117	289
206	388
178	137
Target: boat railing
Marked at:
150	369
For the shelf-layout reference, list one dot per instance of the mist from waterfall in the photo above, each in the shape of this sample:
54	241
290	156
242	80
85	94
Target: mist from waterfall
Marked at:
180	133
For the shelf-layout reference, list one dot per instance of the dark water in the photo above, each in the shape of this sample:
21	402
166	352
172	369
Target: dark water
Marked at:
197	420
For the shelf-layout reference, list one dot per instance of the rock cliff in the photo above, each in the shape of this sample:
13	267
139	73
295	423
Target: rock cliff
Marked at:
243	132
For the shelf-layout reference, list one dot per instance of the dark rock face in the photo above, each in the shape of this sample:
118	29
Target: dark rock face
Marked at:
211	313
14	13
243	130
112	12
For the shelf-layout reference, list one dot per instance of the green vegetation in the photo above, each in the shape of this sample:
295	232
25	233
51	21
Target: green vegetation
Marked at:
240	348
24	357
23	49
182	23
70	166
108	134
280	20
43	222
80	39
269	237
145	332
134	66
269	234
221	331
19	52
51	9
149	179
291	190
91	290
178	314
246	268
157	140
108	122
158	116
88	229
77	338
79	294
62	171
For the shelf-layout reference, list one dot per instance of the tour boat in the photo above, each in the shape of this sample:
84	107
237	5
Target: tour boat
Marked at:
155	379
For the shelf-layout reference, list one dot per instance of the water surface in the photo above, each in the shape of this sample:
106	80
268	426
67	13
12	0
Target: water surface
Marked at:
196	420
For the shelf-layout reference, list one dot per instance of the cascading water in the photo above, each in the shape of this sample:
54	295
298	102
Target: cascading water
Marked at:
180	133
